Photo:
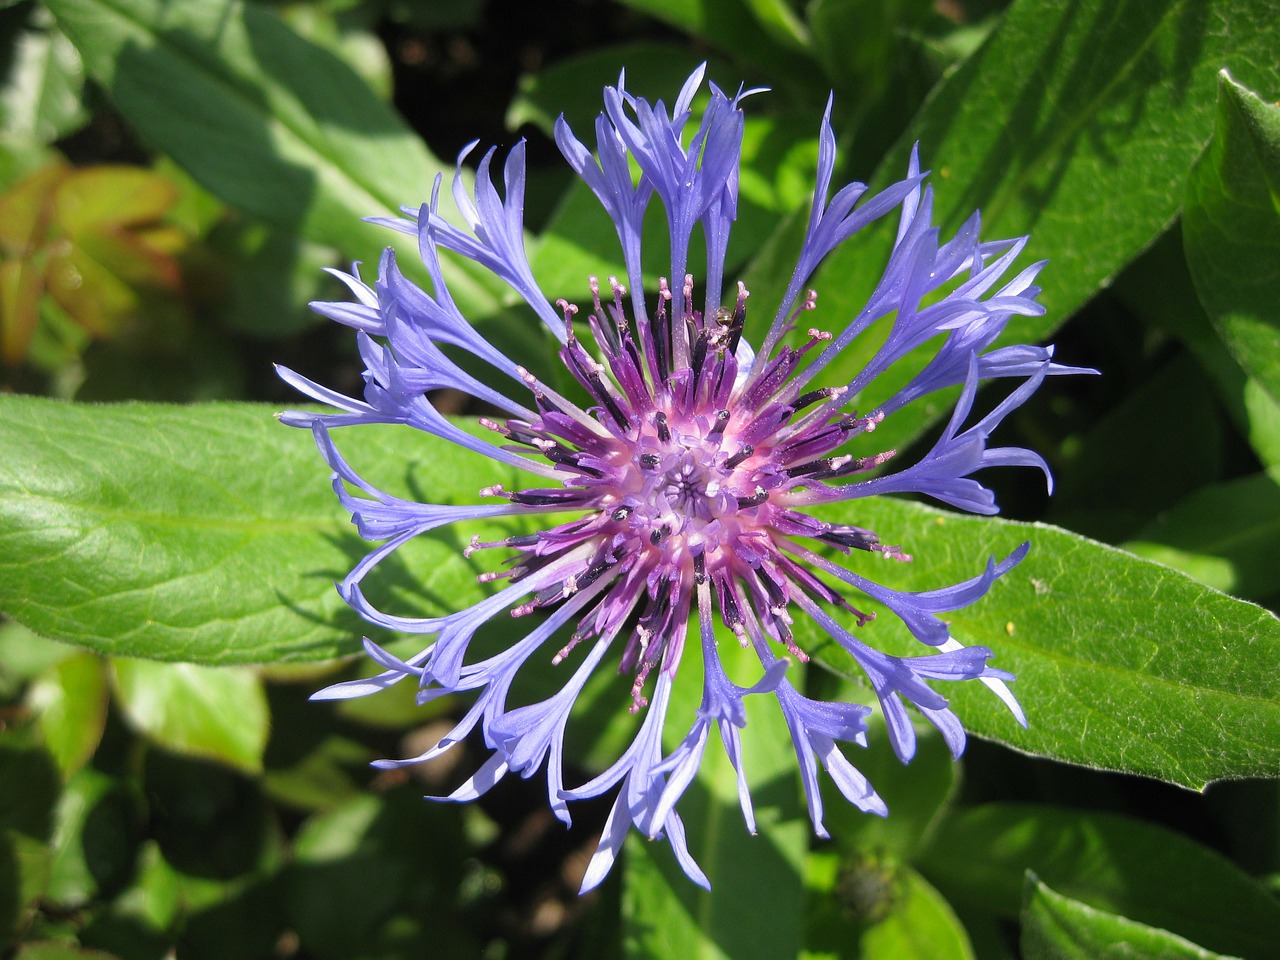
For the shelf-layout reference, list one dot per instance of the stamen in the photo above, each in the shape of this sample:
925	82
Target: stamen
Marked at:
660	423
566	649
813	396
742	454
722	421
569	310
638	700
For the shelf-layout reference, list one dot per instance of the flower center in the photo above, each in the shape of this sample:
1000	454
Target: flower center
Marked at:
689	479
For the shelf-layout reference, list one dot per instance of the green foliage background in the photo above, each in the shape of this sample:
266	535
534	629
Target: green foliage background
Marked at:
174	175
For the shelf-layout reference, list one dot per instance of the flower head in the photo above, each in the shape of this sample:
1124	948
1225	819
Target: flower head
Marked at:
686	466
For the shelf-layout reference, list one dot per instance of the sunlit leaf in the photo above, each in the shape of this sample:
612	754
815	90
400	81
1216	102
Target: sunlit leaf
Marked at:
1100	100
215	712
1121	663
71	700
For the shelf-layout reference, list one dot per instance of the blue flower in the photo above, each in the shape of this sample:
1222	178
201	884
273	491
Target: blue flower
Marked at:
688	474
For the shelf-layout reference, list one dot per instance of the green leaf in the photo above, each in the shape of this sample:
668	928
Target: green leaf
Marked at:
1098	99
71	701
1121	865
878	911
664	913
216	712
1055	927
1226	535
41	99
1231	229
1122	664
207	533
276	126
96	835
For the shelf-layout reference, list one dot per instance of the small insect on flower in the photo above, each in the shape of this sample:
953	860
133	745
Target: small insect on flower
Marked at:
689	472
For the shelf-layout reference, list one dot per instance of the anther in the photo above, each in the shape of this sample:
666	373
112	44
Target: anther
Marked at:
759	497
746	451
660	423
813	396
722	421
620	514
649	461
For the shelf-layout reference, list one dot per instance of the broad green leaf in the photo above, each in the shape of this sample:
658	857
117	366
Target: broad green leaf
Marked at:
41	98
1231	228
208	533
276	126
1122	664
1100	100
664	913
1226	535
71	702
1150	874
1055	927
215	712
879	911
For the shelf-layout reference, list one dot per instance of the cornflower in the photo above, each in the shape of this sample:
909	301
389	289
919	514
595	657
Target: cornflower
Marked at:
687	477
